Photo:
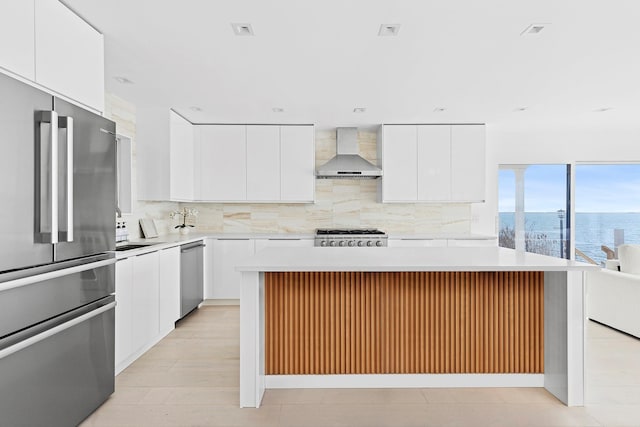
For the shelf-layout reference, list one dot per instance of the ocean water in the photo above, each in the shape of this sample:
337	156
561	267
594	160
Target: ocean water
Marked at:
592	230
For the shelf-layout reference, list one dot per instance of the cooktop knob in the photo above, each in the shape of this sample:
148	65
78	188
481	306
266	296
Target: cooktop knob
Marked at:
370	243
352	243
332	243
323	243
342	242
379	243
361	243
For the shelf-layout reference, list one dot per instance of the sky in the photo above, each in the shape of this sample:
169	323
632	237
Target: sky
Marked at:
599	188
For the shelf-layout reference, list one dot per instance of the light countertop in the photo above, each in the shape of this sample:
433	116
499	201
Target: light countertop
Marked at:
174	239
405	259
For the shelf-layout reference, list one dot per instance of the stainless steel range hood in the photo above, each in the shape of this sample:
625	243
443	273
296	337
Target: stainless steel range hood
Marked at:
347	163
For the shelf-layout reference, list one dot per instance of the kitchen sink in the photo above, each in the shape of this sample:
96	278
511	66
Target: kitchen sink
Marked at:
130	246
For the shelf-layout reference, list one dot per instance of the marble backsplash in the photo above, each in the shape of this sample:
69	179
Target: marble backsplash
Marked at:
339	203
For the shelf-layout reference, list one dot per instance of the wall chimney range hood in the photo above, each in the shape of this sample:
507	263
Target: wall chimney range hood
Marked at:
347	164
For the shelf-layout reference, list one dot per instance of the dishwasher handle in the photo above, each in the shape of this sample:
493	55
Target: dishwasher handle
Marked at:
192	246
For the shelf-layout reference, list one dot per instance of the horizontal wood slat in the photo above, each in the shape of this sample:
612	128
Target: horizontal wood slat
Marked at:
397	322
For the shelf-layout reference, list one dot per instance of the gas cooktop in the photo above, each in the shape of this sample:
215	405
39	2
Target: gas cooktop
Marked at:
348	231
355	237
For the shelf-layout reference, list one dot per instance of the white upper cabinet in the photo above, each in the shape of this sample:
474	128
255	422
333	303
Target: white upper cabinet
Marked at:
263	163
255	163
433	163
69	54
45	42
181	158
468	163
399	163
223	162
17	45
297	161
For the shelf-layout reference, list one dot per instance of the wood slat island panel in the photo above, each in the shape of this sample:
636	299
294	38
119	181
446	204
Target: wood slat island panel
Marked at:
404	322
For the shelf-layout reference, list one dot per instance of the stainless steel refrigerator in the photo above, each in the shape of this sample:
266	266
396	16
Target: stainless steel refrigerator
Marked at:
57	277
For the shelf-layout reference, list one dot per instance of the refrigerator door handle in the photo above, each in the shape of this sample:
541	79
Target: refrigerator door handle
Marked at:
67	124
46	177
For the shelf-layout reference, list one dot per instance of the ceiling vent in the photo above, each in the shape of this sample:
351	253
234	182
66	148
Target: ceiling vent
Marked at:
389	30
242	29
534	29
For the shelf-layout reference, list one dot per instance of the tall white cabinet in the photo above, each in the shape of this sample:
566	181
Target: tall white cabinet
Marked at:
432	163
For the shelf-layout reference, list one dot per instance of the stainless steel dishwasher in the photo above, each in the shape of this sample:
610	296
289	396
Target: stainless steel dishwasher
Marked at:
191	277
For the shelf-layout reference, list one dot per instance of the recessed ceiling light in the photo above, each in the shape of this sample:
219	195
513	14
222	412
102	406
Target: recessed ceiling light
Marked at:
194	108
534	29
602	110
123	80
277	110
242	29
359	110
521	109
439	110
387	30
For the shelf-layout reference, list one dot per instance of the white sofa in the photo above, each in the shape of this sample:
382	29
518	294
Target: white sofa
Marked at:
613	297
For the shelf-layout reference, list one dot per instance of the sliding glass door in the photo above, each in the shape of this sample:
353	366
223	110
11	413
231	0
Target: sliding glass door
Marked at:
607	209
534	208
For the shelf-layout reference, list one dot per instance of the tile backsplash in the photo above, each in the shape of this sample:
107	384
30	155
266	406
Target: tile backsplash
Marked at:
339	203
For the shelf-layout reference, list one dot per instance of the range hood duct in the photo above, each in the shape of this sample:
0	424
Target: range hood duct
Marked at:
347	164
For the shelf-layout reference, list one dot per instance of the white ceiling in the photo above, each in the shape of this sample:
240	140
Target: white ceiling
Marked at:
320	59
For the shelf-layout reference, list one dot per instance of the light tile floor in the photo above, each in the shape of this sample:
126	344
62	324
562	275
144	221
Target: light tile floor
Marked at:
191	378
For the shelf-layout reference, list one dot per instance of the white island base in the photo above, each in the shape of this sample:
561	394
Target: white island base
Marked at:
563	317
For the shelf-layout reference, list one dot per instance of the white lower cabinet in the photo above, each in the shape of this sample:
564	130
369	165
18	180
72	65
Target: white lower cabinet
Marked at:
145	298
283	243
473	242
417	243
169	289
124	312
434	243
148	297
222	279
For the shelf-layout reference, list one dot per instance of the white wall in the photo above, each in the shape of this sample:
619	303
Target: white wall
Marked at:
551	146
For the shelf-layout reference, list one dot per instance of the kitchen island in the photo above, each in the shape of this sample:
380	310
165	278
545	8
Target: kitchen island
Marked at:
410	317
